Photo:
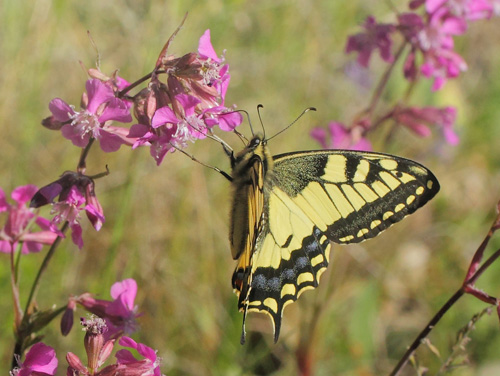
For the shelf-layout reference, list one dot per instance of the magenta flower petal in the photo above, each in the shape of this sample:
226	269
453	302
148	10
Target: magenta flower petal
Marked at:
76	235
23	194
4	206
205	48
162	116
40	359
73	134
188	102
61	110
110	142
128	342
116	110
43	237
230	120
126	287
98	93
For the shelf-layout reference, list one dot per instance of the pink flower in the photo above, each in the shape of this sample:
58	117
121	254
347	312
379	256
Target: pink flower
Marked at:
40	361
19	220
467	9
419	120
434	39
188	106
94	120
97	348
340	137
120	314
149	365
74	190
376	36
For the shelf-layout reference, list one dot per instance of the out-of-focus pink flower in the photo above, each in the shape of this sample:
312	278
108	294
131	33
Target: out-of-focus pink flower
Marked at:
149	365
419	120
120	314
19	221
467	9
101	107
338	136
375	37
40	361
76	193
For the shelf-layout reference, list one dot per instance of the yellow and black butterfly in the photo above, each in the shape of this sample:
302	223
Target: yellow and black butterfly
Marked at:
287	208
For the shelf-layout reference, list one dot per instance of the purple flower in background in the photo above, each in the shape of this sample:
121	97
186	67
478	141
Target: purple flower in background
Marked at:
339	136
419	120
468	9
40	361
19	221
94	120
376	36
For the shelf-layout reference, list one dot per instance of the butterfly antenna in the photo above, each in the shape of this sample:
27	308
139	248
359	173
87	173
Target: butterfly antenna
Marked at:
209	134
293	122
223	173
241	136
261	123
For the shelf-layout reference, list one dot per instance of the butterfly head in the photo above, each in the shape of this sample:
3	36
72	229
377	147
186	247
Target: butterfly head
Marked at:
256	148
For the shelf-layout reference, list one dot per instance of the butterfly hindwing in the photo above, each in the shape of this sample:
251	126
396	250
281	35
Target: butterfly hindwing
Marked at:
308	199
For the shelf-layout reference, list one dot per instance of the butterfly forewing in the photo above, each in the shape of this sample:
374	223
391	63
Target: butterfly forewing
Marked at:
350	195
296	203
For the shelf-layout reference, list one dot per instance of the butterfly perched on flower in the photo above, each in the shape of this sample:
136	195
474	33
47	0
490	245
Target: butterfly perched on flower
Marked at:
288	208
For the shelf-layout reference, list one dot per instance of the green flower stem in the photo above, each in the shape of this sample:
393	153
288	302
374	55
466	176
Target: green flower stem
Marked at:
18	313
43	267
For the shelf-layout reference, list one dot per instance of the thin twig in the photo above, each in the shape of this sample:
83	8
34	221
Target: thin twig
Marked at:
463	289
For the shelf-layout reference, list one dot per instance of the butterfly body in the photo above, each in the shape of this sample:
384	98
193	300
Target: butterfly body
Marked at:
287	209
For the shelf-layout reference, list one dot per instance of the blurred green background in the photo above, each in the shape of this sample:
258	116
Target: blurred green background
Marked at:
167	226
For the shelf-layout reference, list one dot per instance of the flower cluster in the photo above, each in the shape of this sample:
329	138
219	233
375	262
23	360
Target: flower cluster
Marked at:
428	30
188	105
430	35
184	107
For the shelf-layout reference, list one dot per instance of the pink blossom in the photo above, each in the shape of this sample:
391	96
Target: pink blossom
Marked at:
188	106
61	187
74	190
40	361
98	351
340	137
149	365
433	37
467	9
19	221
94	120
120	314
376	36
419	120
